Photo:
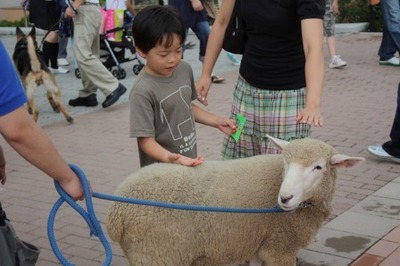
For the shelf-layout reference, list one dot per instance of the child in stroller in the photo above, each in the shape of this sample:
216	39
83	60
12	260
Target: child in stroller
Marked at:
113	53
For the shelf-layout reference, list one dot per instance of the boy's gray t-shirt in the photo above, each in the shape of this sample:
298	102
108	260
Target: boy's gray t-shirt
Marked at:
161	107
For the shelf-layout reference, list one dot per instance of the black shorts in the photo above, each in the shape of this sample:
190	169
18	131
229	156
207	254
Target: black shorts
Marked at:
44	14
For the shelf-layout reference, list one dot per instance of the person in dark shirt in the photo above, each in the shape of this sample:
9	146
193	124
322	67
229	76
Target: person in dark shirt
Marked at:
281	74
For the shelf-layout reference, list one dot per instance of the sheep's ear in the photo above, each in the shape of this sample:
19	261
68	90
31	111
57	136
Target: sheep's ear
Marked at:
280	143
344	161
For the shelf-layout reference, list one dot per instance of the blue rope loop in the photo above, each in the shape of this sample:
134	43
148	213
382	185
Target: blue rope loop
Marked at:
95	228
89	216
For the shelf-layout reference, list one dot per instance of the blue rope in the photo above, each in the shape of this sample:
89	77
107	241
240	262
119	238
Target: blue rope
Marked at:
93	222
89	216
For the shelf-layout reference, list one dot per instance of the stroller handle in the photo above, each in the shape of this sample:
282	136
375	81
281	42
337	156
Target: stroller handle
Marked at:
123	27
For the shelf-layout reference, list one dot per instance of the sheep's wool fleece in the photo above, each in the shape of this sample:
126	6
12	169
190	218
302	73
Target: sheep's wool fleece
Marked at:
158	236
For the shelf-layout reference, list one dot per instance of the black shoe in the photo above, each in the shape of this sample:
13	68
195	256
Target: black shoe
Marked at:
114	96
84	101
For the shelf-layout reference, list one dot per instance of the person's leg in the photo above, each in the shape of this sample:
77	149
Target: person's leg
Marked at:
62	50
50	53
202	31
329	32
391	19
393	146
94	74
387	49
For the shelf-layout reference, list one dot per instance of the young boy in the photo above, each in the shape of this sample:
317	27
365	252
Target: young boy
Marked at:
162	116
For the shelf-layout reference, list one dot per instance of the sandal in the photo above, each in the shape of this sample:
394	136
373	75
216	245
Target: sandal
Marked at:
189	45
216	79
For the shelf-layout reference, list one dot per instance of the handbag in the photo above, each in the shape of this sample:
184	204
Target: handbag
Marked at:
235	34
14	251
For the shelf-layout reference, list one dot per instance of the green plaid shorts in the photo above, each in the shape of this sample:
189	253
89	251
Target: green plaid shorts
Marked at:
271	112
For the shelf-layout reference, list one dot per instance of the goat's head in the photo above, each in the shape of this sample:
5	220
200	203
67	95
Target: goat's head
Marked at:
307	163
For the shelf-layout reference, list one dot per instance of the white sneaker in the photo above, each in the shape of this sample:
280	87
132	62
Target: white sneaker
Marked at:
337	62
379	152
59	70
62	62
394	61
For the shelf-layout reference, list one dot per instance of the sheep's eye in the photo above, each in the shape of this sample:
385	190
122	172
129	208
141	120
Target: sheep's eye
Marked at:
317	167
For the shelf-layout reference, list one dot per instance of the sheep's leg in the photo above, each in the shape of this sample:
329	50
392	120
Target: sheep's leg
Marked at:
273	258
255	262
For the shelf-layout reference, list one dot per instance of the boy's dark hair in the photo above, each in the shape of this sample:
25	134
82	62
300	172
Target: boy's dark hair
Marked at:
154	23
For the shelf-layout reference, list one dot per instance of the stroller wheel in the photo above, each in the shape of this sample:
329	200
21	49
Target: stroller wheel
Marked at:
119	74
115	73
122	74
137	68
77	73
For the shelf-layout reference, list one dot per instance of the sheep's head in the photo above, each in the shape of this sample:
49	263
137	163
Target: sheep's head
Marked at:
307	163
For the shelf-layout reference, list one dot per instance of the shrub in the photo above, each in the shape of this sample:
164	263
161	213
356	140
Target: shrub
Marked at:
360	11
6	23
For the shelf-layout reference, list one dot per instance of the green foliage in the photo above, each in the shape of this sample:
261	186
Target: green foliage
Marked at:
6	23
352	11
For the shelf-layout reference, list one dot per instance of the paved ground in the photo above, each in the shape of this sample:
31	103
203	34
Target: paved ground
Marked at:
358	105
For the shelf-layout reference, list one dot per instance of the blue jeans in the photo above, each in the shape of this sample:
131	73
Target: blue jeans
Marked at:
202	31
393	145
391	32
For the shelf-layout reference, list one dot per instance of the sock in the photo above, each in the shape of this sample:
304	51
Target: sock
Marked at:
46	52
54	55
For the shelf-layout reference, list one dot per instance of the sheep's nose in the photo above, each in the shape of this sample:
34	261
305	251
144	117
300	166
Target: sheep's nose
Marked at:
286	199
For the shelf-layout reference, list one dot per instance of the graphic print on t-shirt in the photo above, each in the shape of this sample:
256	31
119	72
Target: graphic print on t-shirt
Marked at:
176	111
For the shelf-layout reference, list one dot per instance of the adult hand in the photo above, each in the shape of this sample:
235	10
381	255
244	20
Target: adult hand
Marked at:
311	116
197	5
202	87
73	188
69	13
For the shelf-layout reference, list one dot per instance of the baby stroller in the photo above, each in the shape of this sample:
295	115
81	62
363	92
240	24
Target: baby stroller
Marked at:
114	53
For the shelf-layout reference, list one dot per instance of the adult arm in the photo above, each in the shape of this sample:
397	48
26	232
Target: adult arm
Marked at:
313	48
33	144
71	10
196	4
130	7
214	46
154	150
3	175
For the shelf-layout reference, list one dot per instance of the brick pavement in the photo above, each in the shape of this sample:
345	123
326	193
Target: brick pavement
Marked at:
358	106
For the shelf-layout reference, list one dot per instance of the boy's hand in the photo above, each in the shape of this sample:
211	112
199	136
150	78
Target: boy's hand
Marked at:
227	126
183	160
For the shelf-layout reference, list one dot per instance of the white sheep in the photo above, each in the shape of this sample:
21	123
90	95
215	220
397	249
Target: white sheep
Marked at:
156	236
